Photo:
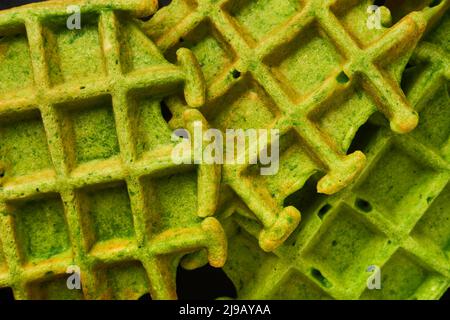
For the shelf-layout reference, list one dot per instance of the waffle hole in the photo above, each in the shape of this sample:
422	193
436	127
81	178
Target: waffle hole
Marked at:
205	283
435	3
164	3
236	74
324	210
365	134
342	78
165	112
409	66
6	294
363	205
306	197
145	19
316	274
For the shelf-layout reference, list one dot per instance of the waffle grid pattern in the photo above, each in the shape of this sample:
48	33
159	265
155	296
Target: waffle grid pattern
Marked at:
392	213
252	61
385	234
36	269
403	230
321	260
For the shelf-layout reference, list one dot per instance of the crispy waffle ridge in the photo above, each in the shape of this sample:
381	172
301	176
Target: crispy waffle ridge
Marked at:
86	177
395	215
311	69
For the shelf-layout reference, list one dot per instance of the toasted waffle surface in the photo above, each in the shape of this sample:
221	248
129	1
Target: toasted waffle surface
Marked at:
358	93
312	69
87	183
316	71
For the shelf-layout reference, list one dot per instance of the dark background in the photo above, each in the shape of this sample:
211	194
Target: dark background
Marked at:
202	284
5	4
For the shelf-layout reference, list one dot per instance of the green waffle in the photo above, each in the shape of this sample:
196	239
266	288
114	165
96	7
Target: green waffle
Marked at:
255	56
314	70
87	179
86	176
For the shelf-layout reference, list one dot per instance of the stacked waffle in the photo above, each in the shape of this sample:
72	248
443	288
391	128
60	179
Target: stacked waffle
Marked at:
358	95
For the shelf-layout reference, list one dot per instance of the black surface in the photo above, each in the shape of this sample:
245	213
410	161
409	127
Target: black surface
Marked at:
205	283
446	295
14	3
165	111
6	294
